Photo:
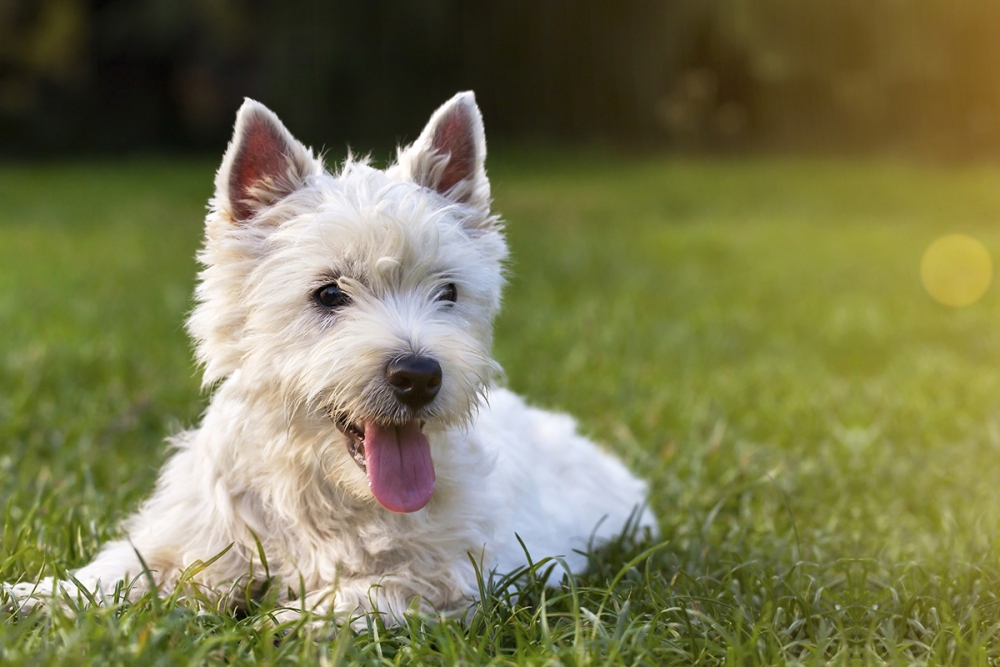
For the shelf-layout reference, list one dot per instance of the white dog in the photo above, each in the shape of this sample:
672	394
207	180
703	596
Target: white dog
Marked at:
346	320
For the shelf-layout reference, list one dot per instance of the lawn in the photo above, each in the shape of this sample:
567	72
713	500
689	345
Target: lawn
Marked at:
822	438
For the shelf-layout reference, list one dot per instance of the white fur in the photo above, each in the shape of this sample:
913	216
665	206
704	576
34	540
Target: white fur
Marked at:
268	460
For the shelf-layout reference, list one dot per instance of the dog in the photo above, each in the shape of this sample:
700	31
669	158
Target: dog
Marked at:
356	439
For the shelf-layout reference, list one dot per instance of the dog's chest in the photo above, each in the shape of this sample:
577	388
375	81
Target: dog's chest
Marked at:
359	540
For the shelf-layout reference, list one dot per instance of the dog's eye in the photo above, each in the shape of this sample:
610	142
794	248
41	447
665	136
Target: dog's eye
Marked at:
331	296
448	293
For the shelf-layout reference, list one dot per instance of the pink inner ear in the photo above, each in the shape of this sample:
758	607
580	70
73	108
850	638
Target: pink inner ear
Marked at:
262	158
453	136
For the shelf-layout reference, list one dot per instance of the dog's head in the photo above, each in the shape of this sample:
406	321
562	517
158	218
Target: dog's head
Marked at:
363	299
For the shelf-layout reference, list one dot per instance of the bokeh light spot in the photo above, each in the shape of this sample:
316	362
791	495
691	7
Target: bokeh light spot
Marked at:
956	270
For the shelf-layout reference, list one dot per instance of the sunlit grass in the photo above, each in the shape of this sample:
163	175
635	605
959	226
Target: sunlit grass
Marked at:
822	438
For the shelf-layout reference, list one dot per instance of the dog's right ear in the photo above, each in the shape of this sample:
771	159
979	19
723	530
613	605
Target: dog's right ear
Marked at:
263	164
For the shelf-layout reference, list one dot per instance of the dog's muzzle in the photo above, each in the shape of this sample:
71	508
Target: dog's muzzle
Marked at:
393	452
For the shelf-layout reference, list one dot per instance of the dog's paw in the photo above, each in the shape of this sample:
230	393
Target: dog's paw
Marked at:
322	611
25	597
314	611
8	599
321	622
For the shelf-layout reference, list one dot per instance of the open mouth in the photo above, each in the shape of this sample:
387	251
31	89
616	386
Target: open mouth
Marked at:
396	458
355	440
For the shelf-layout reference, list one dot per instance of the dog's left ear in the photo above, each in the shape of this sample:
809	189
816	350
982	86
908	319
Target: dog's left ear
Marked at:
449	157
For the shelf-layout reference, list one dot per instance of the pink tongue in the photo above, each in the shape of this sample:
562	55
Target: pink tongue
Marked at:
400	469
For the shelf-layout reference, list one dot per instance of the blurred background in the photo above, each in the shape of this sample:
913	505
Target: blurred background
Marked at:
113	76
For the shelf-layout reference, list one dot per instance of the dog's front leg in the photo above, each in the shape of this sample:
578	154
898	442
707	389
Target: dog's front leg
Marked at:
167	533
116	562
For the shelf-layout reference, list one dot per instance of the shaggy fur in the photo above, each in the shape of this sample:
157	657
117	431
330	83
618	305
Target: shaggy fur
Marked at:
416	260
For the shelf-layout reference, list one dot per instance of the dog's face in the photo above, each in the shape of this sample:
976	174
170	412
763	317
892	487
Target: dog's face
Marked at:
360	302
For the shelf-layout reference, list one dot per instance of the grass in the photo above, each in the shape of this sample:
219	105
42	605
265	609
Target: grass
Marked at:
822	439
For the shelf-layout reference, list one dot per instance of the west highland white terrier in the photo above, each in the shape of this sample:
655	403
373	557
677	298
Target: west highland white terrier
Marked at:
355	434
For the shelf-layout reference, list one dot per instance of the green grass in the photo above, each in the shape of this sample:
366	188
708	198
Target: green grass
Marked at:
822	439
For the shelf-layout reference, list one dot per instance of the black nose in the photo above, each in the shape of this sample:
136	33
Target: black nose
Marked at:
415	380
